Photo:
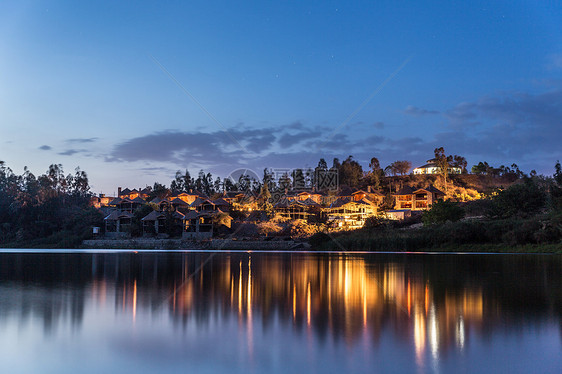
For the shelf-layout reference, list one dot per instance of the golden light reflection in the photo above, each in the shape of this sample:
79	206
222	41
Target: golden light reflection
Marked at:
357	298
419	337
308	304
135	300
249	323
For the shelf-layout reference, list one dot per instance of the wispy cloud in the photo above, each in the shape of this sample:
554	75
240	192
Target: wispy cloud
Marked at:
45	147
502	128
81	140
70	152
415	111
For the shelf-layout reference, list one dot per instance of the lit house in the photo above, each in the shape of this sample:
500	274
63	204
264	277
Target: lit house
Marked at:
432	168
346	213
417	198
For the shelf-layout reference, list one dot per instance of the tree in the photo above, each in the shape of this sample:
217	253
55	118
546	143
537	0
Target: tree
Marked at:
376	172
558	173
443	211
403	167
264	198
522	199
460	162
482	168
351	172
182	182
442	163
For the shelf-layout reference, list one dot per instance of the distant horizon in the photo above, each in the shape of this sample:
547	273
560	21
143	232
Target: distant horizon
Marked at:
132	94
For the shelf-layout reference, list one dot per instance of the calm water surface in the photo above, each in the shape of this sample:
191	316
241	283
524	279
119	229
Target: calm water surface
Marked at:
279	313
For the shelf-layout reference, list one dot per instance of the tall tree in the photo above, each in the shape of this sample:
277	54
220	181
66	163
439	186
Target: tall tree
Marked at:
377	173
442	163
351	172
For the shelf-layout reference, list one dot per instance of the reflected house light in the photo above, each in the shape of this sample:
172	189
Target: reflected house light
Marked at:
240	291
409	297
308	304
419	336
460	333
433	333
294	301
135	300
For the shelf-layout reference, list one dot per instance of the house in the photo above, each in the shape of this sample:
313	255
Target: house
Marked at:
100	201
133	194
126	204
222	204
201	225
417	198
432	168
346	213
190	197
155	222
118	223
294	209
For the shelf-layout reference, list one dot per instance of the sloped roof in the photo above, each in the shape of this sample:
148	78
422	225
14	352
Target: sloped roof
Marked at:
410	190
221	202
364	201
139	200
340	202
178	215
378	193
116	215
199	201
115	201
157	200
359	191
310	202
404	191
126	191
431	188
178	201
153	216
191	215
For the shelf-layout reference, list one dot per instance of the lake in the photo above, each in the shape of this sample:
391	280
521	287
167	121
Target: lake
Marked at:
216	312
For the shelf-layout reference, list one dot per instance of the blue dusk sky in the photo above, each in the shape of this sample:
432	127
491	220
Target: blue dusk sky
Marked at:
133	91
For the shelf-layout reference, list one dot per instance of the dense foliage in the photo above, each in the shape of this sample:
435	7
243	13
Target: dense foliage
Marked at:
443	211
51	210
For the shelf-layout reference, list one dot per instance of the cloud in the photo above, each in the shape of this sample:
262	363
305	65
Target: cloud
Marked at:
524	128
45	148
378	125
70	152
415	111
81	140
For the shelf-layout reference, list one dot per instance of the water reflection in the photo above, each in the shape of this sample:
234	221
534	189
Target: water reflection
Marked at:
431	305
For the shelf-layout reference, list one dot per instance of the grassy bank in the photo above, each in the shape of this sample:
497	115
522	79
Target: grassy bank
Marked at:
537	235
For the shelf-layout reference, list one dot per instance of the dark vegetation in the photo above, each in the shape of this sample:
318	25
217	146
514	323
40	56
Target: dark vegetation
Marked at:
48	211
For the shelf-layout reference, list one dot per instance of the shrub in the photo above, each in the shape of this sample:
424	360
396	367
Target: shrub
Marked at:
521	200
443	211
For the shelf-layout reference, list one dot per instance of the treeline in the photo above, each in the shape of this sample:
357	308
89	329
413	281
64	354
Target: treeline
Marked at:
49	210
349	173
